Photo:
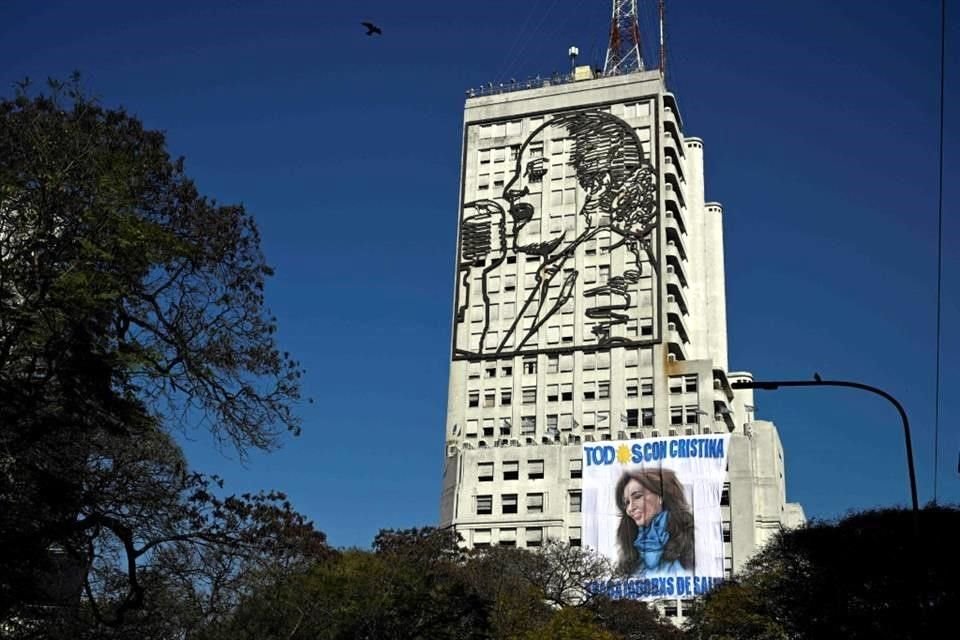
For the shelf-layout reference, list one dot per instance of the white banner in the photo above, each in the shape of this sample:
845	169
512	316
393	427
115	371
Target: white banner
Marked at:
652	506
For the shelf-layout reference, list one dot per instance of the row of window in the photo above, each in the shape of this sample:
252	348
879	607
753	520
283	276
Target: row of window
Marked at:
507	537
591	390
599	421
559	363
563	145
511	469
509	503
563	392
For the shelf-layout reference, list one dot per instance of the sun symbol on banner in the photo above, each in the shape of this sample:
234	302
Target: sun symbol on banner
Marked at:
623	454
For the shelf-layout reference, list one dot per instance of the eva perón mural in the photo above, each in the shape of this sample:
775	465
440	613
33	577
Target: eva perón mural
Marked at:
652	506
562	252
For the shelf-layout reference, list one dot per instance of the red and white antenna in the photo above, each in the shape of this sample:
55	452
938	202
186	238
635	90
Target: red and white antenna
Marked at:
623	53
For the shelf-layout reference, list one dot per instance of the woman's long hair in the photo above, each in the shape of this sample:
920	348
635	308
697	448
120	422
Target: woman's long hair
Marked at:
664	483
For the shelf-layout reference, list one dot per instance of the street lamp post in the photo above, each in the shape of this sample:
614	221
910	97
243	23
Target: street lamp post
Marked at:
773	385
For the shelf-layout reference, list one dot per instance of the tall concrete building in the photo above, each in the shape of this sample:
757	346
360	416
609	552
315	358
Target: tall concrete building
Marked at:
589	306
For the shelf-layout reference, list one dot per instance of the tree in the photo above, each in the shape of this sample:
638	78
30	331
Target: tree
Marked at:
131	307
570	624
632	620
865	576
412	586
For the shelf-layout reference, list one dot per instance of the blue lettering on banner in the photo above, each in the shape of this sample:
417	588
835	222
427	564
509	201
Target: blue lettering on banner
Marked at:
640	588
655	451
600	455
696	448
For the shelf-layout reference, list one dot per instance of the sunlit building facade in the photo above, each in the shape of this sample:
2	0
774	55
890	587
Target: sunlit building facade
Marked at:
589	306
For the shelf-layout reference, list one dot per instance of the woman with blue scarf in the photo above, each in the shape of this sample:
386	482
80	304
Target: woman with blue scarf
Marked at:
655	535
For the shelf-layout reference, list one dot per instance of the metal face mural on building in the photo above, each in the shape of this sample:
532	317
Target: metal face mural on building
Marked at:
563	252
652	506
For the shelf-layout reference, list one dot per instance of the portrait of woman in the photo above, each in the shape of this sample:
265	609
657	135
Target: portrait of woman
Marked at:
655	534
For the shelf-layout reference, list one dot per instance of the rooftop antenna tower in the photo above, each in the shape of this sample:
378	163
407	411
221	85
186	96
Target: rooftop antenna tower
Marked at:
623	52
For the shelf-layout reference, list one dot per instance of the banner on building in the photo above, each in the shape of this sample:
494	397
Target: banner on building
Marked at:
652	506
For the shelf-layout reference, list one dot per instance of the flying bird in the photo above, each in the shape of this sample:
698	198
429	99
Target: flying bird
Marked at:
372	28
816	376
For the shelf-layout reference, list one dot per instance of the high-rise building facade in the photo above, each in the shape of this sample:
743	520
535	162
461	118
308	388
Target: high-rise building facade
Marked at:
589	307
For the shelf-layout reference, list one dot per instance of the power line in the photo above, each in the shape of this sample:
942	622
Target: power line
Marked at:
936	412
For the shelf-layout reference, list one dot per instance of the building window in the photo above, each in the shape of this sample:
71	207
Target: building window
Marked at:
603	389
534	503
506	397
489	398
508	503
488	426
676	384
535	469
670	609
646	387
633	389
485	471
725	495
633	417
530	395
528	425
505	426
690	384
646	327
530	365
574	502
647	418
473	371
690	414
726	532
473	399
508	538
576	468
534	536
589	391
566	392
589	420
553	363
484	505
676	415
506	371
552	420
481	538
573	536
553	393
511	470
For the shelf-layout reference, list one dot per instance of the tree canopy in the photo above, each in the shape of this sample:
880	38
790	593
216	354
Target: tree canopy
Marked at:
867	575
131	308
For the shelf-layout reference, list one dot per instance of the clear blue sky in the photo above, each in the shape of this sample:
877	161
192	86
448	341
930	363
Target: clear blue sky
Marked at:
820	127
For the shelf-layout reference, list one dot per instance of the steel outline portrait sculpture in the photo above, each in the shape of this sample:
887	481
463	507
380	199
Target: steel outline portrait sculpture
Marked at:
619	196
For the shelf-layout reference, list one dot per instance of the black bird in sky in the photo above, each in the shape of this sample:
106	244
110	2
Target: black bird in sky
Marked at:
372	28
816	376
